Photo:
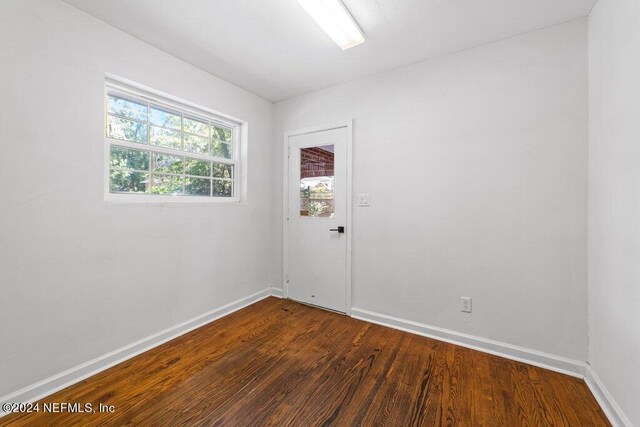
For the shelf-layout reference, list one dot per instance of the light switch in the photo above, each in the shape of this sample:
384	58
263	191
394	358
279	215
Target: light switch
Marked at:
363	199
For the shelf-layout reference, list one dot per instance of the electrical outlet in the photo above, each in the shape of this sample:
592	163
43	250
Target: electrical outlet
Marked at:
466	304
363	200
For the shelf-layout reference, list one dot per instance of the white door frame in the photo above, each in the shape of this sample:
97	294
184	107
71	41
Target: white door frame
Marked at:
285	203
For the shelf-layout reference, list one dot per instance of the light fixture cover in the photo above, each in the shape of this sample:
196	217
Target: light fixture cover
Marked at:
334	18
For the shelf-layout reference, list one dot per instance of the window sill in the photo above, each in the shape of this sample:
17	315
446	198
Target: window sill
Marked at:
166	200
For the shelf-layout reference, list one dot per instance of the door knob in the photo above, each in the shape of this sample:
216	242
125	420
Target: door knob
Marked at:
340	229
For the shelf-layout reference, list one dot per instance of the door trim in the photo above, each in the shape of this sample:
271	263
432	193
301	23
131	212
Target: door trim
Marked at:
348	124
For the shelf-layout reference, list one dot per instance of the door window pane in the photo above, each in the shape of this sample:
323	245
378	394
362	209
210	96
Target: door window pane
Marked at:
317	192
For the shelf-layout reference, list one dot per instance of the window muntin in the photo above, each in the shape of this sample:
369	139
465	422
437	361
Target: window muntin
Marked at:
161	150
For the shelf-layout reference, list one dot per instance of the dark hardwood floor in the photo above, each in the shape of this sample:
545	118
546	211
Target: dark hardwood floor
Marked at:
282	363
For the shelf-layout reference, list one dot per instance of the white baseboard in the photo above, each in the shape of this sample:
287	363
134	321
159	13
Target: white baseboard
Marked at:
563	365
606	400
277	292
78	373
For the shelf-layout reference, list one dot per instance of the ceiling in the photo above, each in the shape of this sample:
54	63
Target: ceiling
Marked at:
274	49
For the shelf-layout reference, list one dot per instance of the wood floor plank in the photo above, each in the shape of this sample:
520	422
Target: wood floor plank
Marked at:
278	362
302	360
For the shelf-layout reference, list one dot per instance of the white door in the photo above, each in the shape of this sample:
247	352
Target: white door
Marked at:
317	219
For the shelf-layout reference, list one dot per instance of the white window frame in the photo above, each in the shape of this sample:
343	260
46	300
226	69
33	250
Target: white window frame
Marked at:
126	89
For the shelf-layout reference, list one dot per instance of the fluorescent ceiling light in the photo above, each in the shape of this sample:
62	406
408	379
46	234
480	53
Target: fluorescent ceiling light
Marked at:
335	20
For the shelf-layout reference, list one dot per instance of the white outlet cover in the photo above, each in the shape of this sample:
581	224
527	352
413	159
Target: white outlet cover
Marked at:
363	199
465	304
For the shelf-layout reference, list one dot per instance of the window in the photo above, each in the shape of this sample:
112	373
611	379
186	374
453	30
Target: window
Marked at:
317	194
159	149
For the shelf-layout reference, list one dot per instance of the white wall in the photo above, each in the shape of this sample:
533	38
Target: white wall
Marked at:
79	277
476	164
614	200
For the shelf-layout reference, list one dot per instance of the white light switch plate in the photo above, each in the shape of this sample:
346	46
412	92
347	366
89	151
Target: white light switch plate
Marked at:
363	199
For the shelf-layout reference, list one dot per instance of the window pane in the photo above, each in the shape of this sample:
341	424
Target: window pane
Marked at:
126	108
127	130
222	171
196	126
221	149
197	167
222	134
222	188
197	187
166	138
316	182
167	184
162	117
196	144
128	182
168	164
126	158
